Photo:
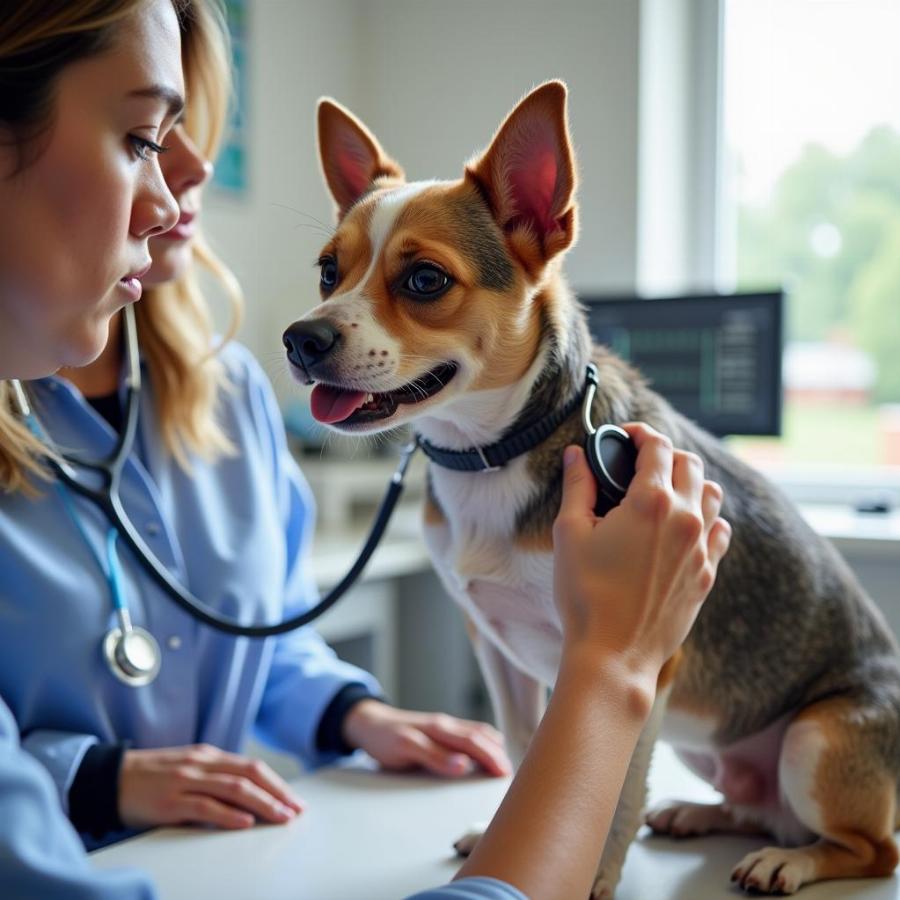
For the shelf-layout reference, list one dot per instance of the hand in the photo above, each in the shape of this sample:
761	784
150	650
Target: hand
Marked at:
400	739
200	785
629	586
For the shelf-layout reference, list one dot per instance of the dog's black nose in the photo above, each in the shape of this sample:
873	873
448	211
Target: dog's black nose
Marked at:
310	342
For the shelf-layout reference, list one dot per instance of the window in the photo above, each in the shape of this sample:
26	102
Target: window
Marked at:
811	184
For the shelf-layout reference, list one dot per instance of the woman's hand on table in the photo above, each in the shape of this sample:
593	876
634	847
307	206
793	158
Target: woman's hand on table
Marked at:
201	785
400	739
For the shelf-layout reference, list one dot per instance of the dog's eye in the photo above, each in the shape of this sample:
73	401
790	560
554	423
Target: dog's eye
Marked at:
427	280
328	272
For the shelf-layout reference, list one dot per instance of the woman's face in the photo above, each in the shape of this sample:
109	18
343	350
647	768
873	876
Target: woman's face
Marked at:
77	221
185	170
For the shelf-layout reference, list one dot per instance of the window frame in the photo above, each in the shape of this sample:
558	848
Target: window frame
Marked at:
711	223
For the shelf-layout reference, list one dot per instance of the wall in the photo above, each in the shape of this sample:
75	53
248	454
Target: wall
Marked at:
433	79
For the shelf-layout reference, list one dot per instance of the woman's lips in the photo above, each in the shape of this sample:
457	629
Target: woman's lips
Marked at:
131	283
132	286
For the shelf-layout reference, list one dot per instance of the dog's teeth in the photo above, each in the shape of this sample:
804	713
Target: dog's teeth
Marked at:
370	398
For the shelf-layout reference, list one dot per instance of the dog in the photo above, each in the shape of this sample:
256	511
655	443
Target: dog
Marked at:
443	304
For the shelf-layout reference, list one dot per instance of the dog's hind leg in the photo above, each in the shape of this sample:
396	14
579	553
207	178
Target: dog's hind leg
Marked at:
835	774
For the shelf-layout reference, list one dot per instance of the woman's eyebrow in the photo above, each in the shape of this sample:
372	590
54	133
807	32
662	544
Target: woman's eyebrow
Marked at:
167	95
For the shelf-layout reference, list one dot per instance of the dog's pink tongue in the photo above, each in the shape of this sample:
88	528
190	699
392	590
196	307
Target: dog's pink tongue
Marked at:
331	404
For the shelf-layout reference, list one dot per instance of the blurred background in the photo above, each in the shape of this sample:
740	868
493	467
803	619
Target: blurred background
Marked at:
723	145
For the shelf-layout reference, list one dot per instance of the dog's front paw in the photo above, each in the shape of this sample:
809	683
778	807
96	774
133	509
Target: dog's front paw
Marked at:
774	870
466	844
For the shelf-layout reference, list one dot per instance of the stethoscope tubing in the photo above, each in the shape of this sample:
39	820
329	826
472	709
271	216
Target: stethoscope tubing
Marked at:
110	504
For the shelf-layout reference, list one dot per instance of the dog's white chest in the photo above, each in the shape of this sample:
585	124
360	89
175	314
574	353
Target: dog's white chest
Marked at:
508	594
522	621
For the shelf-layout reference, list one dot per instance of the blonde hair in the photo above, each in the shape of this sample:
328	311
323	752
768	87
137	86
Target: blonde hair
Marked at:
174	322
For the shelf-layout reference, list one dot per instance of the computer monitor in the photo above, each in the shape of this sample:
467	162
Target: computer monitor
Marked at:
715	357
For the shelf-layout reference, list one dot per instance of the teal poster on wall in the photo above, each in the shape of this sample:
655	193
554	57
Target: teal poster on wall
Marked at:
232	164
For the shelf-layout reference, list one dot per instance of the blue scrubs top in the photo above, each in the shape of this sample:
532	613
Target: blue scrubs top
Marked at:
236	532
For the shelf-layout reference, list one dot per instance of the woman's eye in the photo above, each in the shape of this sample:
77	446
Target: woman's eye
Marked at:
427	281
145	149
328	272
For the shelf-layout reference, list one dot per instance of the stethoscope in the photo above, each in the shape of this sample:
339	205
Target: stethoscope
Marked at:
131	652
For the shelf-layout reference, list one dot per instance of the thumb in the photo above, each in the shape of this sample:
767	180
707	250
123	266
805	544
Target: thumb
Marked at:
579	490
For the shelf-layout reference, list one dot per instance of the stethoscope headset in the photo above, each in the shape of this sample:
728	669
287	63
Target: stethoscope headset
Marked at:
131	652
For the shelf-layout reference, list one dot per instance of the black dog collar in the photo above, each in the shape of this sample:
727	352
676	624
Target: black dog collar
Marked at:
498	454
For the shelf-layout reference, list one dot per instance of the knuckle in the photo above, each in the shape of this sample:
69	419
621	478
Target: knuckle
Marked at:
182	774
698	559
714	491
707	579
233	784
258	768
723	535
691	459
407	742
689	525
662	441
657	502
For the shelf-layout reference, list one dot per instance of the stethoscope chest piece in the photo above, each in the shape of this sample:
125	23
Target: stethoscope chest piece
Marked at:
133	655
610	452
611	455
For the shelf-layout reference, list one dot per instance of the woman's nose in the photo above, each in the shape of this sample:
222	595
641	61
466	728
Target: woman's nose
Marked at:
155	210
184	166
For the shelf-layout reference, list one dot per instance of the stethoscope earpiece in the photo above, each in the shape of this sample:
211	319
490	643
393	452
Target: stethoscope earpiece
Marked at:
610	452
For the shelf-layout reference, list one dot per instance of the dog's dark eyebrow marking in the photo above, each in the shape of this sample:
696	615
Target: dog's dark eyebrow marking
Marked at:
477	233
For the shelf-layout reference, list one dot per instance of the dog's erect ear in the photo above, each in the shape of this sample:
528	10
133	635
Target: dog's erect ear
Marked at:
528	174
351	156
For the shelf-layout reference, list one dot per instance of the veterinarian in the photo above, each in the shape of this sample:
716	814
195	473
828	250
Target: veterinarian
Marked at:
215	492
74	720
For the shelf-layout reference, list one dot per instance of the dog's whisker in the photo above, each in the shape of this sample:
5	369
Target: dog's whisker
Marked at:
328	229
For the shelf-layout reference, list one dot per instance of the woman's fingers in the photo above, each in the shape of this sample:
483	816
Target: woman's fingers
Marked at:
687	475
242	794
422	751
653	467
255	771
719	541
711	503
203	810
579	490
472	740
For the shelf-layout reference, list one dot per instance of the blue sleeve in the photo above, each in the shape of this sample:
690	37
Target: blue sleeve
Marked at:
305	674
60	753
40	853
472	889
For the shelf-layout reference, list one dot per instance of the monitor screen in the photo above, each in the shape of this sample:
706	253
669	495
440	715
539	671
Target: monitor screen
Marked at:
715	357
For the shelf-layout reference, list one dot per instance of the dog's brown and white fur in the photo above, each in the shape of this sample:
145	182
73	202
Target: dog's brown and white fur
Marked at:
443	304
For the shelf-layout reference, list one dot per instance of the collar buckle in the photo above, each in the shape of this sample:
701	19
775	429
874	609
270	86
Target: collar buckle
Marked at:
487	466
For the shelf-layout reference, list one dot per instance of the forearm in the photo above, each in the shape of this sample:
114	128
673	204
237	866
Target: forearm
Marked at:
548	835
